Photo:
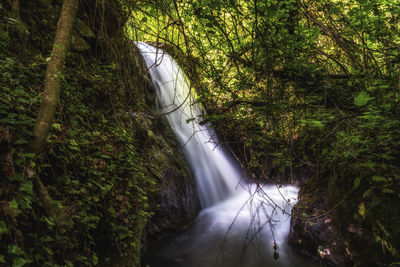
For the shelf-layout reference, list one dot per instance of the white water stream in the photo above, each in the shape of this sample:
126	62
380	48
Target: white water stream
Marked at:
216	175
239	222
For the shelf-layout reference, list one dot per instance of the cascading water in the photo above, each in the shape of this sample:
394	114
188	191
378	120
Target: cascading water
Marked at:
216	175
240	222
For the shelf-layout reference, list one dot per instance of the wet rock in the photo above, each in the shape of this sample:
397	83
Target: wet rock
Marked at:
178	198
179	203
316	234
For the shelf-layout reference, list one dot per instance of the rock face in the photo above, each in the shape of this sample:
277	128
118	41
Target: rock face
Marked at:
177	198
329	233
179	205
316	234
179	201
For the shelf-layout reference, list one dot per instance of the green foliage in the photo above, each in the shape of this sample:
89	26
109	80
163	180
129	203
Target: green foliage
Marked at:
96	162
362	99
301	84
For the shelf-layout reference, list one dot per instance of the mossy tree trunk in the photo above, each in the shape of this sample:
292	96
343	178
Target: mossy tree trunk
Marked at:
53	74
49	102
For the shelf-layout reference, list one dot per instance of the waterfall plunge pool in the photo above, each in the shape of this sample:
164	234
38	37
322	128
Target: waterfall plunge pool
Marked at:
238	232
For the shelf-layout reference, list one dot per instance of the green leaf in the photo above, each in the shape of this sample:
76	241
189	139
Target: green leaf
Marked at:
49	220
386	156
20	141
387	191
3	35
2	260
56	126
368	164
379	179
362	99
3	228
29	155
13	204
49	251
27	187
357	182
317	123
361	209
19	262
366	193
95	259
15	250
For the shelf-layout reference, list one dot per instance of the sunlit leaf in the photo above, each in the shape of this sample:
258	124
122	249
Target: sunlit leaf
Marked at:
362	99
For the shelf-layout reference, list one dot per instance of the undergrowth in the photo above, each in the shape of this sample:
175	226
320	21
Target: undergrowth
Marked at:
96	161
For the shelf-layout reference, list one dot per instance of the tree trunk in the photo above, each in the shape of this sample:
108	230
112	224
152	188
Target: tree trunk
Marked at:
53	75
48	106
15	10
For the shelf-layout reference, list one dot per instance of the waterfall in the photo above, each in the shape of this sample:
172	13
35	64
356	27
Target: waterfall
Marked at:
216	175
236	228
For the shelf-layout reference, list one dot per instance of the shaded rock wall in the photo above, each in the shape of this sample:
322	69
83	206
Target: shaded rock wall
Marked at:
321	230
317	236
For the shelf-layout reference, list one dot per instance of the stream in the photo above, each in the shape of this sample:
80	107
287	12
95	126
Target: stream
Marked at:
241	224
